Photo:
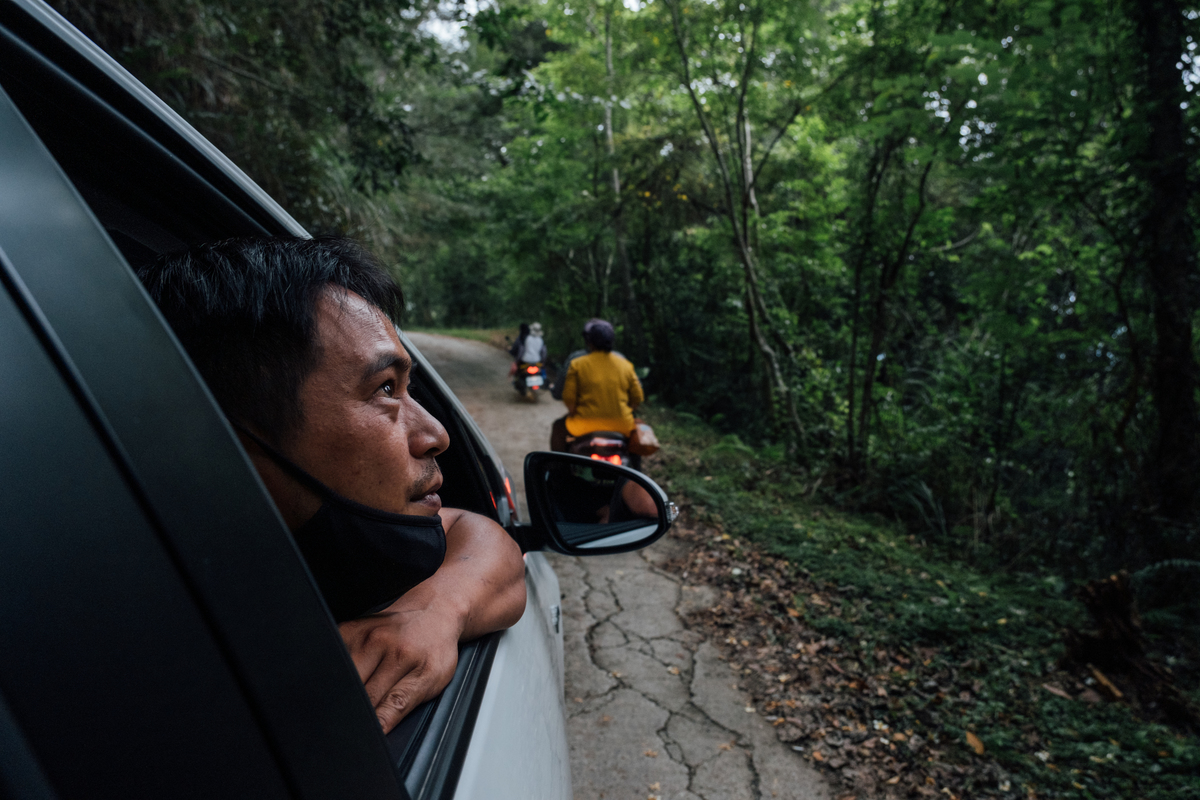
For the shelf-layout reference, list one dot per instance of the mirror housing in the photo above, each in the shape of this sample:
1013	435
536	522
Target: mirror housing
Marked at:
583	507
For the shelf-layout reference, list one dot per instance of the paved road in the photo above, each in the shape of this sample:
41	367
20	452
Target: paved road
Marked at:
652	711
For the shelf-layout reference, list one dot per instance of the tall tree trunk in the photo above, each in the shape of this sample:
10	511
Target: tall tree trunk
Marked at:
633	311
875	174
785	411
889	275
1173	470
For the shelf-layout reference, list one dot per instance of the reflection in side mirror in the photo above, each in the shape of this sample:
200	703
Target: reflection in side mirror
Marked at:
582	506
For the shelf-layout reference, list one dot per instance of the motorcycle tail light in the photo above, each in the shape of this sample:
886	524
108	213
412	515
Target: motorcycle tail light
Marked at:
613	459
532	370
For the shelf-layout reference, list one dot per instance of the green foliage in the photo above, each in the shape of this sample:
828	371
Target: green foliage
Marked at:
296	93
944	234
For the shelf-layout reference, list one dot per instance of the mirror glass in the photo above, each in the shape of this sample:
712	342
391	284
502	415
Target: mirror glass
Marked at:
593	506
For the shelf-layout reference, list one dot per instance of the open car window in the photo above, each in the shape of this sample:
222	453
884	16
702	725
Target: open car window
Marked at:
94	184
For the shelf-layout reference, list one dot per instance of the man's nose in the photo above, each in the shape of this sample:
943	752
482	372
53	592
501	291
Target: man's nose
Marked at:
426	436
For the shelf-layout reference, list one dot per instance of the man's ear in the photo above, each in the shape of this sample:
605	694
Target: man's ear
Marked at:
296	504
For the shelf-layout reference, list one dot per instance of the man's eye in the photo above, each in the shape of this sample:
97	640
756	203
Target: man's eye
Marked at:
388	389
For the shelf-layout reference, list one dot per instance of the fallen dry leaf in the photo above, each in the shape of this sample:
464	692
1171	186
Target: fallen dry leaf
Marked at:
651	753
892	781
1057	691
605	719
1108	685
653	787
673	670
975	743
833	690
791	612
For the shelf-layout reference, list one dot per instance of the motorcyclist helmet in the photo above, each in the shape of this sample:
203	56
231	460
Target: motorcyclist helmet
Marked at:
599	334
535	329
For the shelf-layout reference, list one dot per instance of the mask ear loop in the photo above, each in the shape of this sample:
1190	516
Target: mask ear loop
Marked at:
325	492
288	466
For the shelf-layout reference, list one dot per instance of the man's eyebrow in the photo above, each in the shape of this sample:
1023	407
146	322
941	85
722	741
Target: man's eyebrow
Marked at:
385	361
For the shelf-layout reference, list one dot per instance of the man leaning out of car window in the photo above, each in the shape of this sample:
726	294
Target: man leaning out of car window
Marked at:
296	339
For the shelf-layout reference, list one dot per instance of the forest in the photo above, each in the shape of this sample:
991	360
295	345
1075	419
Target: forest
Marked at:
940	255
934	259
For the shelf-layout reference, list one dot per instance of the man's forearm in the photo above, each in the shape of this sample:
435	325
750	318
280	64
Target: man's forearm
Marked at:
482	577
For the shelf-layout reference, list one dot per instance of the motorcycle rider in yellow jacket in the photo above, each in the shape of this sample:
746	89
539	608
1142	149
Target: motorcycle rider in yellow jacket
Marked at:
601	389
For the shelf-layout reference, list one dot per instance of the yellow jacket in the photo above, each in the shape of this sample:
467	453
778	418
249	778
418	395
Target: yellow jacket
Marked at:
603	389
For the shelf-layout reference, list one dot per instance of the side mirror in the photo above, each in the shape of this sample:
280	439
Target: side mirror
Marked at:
584	507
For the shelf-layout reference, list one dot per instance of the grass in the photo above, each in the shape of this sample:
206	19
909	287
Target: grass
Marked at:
994	636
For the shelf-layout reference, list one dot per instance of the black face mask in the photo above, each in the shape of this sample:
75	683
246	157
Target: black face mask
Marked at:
361	557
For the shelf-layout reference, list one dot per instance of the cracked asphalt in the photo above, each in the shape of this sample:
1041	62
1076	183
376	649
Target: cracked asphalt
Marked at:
652	709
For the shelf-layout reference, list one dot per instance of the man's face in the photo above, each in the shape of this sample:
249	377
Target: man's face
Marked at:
362	434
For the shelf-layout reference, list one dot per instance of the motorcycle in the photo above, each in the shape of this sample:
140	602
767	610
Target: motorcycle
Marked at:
607	446
529	380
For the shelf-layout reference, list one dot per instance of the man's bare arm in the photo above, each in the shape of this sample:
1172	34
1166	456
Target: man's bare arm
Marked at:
407	653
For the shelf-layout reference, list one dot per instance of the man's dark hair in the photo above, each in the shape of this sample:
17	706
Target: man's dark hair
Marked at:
244	310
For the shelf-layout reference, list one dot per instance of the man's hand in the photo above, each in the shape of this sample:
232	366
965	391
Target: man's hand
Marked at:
407	653
404	656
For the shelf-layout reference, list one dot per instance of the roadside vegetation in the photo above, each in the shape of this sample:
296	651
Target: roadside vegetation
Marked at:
899	668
